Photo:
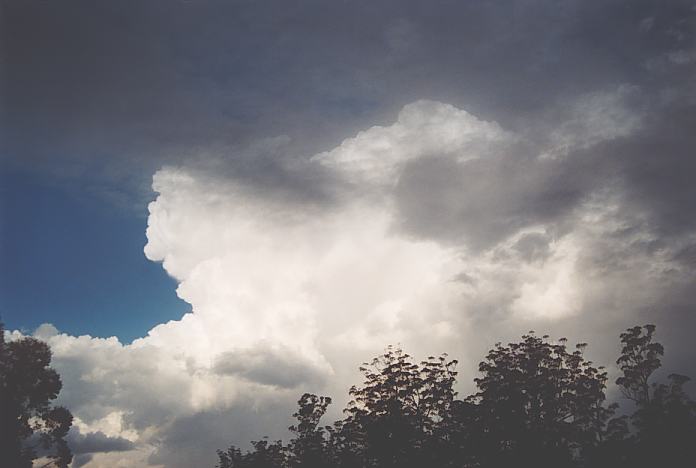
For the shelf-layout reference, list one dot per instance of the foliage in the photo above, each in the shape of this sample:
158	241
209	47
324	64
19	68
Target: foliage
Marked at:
665	416
537	404
640	357
264	455
307	447
397	417
29	425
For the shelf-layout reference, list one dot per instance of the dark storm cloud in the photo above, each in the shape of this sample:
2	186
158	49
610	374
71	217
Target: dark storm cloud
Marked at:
95	442
108	89
82	459
658	166
533	247
481	202
85	446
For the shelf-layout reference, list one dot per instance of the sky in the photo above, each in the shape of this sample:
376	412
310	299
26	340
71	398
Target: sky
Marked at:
210	207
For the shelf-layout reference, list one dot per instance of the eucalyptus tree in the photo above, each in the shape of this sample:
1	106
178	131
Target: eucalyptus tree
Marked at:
664	419
398	416
538	404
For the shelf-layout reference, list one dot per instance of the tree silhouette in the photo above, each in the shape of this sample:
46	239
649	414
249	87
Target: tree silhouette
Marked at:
29	425
264	455
397	417
665	416
306	450
308	447
640	357
538	404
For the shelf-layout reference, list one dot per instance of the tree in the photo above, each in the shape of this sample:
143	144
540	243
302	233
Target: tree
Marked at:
306	450
640	357
665	416
538	405
264	455
29	425
308	447
397	417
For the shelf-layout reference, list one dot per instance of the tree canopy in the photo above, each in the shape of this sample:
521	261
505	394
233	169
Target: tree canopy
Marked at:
538	403
30	426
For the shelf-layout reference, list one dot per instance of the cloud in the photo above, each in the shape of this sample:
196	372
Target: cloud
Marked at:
423	129
595	117
81	460
111	99
93	442
273	366
448	233
310	217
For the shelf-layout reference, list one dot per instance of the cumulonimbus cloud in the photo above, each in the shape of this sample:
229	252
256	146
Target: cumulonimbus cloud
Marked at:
451	235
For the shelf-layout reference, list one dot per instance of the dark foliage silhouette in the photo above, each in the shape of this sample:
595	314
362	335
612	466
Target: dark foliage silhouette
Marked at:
307	447
29	425
664	420
538	404
398	416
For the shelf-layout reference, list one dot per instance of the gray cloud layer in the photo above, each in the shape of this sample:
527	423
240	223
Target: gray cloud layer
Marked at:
276	367
110	88
96	442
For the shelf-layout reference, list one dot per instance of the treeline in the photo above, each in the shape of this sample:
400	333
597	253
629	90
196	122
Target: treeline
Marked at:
538	404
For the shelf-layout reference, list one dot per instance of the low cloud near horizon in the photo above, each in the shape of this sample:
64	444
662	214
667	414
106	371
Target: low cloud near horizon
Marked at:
440	231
